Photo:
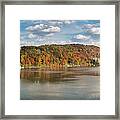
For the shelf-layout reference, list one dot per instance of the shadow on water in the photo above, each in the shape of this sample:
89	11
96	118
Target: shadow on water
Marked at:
75	83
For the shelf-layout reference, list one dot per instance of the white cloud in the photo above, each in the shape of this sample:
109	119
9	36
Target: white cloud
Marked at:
51	29
94	30
56	22
91	28
68	21
95	43
43	28
31	36
59	22
52	22
37	27
30	28
28	43
81	37
51	34
89	25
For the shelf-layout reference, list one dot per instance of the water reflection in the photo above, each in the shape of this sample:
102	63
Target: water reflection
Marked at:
64	84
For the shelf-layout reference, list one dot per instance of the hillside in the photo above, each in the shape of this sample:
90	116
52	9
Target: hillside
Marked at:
59	56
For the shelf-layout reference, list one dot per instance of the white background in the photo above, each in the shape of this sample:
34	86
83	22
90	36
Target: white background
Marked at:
104	106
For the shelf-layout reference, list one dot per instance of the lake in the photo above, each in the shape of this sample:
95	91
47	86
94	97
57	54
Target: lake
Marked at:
73	83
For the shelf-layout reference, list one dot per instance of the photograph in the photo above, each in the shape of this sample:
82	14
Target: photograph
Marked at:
59	59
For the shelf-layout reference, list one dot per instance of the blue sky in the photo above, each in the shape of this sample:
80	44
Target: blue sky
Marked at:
41	32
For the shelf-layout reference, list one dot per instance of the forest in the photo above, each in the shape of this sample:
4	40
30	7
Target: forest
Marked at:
57	56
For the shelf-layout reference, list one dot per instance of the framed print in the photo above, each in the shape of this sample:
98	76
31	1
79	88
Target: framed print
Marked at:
60	60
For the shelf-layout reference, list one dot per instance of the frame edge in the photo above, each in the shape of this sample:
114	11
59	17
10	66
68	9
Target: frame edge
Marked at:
117	9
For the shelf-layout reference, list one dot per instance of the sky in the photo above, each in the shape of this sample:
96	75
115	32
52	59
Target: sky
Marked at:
46	32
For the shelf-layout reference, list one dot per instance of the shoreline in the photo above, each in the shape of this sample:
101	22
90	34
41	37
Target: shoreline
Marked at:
68	66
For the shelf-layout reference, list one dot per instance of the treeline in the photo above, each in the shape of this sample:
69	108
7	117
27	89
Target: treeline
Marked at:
59	56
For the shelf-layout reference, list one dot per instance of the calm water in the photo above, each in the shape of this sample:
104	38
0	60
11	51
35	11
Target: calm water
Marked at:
74	83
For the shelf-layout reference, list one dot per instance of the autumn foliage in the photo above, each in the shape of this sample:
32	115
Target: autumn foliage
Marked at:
59	56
